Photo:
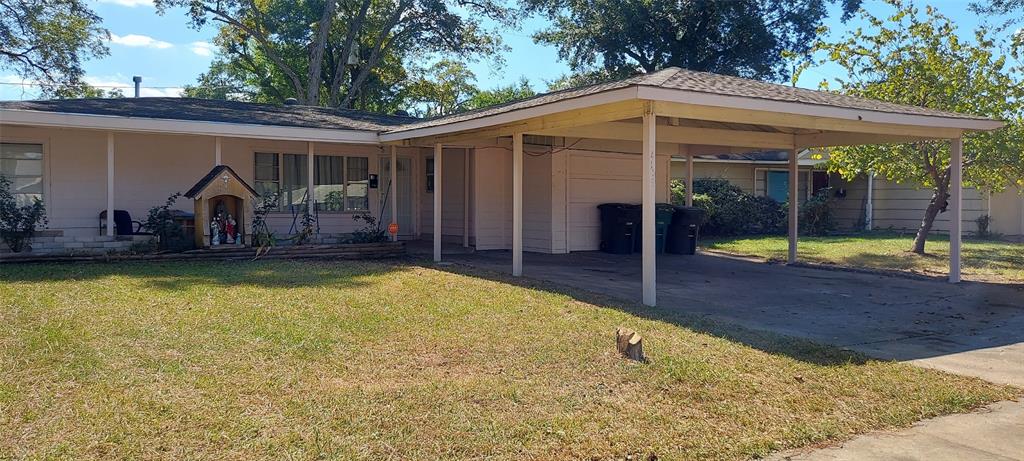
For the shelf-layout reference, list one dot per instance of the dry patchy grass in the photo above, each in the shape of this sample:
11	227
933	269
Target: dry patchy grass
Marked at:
290	360
983	260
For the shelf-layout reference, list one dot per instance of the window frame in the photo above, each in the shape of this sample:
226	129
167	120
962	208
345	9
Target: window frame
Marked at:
44	165
281	174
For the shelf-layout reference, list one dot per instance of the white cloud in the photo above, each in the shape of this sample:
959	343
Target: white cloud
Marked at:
129	3
202	48
139	41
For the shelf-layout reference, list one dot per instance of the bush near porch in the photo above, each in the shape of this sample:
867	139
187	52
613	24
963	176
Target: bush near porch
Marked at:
301	360
983	260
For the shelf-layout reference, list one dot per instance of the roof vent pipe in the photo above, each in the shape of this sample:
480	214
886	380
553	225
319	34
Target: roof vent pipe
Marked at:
291	102
138	84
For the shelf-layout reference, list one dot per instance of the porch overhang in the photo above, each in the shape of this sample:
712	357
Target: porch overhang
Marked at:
186	127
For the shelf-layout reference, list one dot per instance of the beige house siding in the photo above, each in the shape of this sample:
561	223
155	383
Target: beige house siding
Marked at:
901	206
150	167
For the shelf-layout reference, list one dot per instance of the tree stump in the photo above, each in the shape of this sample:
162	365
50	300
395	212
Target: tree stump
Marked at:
630	344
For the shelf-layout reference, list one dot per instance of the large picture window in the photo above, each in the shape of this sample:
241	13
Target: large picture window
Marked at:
23	165
339	183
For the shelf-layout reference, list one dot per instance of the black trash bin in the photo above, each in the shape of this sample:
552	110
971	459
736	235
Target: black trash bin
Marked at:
618	227
662	219
683	232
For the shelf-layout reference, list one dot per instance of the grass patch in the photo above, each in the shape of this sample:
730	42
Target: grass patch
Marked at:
983	260
300	360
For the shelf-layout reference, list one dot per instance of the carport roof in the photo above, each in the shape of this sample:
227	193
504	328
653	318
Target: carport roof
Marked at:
674	78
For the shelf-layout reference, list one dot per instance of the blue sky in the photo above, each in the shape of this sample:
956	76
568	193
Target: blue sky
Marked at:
168	53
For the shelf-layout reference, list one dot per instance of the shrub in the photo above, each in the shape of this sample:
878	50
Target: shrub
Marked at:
983	222
768	217
18	223
817	214
262	237
170	235
730	211
703	201
372	232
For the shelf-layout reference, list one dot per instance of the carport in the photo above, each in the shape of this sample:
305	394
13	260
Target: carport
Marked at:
688	113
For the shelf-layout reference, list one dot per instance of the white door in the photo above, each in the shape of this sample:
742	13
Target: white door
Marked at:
405	221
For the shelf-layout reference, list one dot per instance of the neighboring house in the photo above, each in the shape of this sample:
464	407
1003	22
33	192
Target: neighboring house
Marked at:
526	175
894	206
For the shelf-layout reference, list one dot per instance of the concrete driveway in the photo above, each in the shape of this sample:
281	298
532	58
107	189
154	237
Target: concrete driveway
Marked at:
972	328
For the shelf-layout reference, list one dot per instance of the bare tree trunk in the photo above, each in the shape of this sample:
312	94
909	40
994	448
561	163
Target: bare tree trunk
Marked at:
938	204
316	54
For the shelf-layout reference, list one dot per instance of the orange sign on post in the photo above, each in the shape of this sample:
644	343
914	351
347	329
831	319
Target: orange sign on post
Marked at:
393	228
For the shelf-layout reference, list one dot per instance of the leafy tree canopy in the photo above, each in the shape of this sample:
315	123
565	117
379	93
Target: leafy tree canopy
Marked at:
448	87
47	40
747	38
347	53
919	59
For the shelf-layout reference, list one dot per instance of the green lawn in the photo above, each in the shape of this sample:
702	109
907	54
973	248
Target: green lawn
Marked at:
301	360
983	260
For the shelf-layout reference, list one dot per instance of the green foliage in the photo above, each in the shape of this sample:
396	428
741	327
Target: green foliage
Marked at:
160	221
503	94
677	189
730	211
307	227
817	214
983	222
47	40
443	88
920	60
18	223
371	232
348	53
262	237
748	38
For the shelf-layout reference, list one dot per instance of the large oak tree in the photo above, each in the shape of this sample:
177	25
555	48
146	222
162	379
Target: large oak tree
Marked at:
339	52
47	40
747	38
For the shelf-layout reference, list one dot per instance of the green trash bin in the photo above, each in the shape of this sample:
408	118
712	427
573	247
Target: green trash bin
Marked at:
662	219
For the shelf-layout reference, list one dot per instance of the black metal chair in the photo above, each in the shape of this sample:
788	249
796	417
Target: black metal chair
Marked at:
123	224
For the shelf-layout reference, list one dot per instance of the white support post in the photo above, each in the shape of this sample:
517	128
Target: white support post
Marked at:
517	204
310	199
110	184
216	152
465	200
393	189
956	169
794	206
689	179
649	176
438	180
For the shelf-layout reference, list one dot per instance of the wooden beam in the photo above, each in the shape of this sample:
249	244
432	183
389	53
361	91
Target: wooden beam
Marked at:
794	205
754	117
837	138
588	116
626	131
517	204
956	205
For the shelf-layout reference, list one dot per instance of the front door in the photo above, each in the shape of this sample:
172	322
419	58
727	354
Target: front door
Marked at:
778	185
405	221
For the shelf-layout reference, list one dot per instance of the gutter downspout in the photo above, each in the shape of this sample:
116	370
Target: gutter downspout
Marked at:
869	207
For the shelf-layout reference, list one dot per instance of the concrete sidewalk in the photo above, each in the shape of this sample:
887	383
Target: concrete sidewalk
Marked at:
995	433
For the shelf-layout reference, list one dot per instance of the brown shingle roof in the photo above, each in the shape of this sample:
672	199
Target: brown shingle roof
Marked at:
702	82
210	110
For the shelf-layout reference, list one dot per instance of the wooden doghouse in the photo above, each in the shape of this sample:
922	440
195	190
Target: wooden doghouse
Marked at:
222	195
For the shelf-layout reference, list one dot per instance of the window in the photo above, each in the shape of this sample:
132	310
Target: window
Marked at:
357	188
268	174
775	184
430	175
339	183
293	187
23	165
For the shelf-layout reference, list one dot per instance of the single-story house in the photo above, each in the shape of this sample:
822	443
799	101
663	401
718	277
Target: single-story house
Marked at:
888	206
522	176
